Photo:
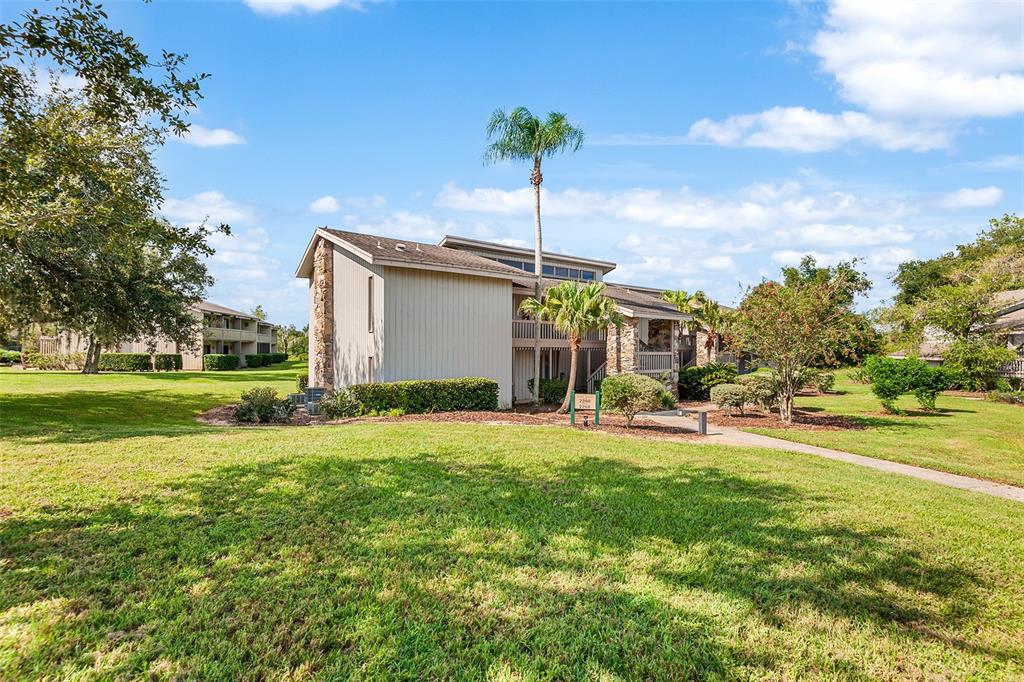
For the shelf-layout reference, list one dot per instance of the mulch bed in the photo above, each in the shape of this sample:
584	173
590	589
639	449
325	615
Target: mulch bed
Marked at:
802	421
610	423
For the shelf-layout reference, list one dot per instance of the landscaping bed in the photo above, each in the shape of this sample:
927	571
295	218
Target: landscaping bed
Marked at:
223	415
803	420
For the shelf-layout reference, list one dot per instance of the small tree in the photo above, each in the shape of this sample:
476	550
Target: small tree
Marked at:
790	326
259	313
630	394
575	309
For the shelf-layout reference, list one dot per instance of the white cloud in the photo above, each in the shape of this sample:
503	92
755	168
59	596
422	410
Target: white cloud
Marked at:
405	225
826	235
761	206
925	60
279	7
1000	162
806	130
327	204
719	263
972	198
210	205
211	137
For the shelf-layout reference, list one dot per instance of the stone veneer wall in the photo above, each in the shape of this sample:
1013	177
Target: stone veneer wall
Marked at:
621	347
322	374
704	355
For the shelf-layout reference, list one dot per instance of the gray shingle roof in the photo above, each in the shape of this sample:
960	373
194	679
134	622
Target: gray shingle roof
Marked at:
642	303
420	253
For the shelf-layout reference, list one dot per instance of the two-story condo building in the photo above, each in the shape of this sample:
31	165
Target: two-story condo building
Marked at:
386	309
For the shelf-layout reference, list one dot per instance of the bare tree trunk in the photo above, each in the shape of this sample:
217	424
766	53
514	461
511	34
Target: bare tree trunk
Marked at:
538	264
92	357
786	395
574	344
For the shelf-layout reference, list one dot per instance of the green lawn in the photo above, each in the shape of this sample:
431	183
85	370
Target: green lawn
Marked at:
135	543
970	437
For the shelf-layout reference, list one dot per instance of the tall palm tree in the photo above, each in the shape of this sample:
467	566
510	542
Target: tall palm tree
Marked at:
707	314
521	136
575	309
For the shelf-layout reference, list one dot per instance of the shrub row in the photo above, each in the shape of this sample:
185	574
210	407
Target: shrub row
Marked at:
166	361
763	388
124	362
695	383
215	362
1011	397
51	361
412	397
264	359
552	391
8	357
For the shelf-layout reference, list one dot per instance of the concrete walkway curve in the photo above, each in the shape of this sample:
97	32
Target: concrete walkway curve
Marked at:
727	435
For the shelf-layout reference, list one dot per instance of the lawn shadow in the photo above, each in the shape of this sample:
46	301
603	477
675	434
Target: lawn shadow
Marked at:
430	567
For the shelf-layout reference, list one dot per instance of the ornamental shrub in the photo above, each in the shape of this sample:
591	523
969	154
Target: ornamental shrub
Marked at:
695	383
124	362
729	397
167	361
974	365
278	357
263	406
426	395
552	391
762	389
257	360
8	357
630	394
1011	397
892	377
339	404
216	362
302	383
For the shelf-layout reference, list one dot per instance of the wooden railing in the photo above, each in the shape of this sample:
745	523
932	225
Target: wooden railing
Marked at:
596	376
523	329
653	362
1014	368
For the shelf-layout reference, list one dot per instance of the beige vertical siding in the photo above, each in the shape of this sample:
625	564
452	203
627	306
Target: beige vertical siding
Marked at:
522	372
354	344
445	325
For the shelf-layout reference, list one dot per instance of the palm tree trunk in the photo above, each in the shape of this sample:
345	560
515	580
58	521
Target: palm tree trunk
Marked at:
574	345
538	264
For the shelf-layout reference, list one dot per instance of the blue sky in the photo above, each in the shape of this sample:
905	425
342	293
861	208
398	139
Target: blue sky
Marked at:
724	140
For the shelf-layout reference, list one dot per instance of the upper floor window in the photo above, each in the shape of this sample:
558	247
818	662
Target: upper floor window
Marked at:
551	270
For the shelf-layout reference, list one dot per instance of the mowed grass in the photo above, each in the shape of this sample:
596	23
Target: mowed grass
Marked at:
971	437
148	546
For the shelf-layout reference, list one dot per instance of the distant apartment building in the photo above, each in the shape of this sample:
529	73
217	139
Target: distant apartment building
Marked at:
220	330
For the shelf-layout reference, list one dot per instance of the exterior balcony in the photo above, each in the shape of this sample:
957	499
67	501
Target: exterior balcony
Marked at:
550	337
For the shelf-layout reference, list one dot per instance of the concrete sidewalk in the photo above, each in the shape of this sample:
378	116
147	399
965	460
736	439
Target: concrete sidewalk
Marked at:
727	435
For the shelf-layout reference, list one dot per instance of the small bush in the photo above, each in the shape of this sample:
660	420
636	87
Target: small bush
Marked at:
263	406
125	362
216	362
1011	397
630	394
668	401
893	377
8	357
729	397
822	380
552	391
302	383
278	357
257	360
762	389
167	361
339	404
695	383
426	395
974	365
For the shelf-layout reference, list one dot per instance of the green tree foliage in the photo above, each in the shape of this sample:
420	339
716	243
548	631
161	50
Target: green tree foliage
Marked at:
790	326
520	136
575	309
707	315
893	377
972	363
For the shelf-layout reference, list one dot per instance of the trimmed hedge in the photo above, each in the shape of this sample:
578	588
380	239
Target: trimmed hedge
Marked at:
695	383
52	361
278	357
426	395
264	359
632	393
124	362
552	391
729	397
893	377
167	361
8	357
215	362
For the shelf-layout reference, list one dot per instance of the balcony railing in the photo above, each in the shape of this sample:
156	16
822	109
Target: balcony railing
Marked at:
654	362
224	334
523	329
